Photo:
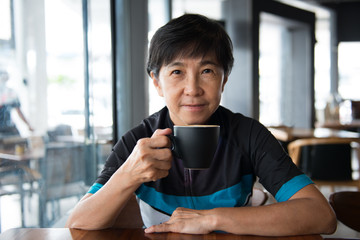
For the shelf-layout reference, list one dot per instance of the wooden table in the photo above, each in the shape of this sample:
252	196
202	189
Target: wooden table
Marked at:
126	234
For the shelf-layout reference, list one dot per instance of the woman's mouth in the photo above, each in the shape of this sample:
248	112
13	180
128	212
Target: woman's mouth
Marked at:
194	107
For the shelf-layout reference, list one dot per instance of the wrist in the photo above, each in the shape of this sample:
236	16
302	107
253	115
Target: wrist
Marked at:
129	179
213	219
121	182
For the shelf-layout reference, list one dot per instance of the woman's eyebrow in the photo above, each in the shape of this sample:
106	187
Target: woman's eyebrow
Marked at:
202	63
209	62
175	64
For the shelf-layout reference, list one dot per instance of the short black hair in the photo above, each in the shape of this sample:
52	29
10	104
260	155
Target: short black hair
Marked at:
191	35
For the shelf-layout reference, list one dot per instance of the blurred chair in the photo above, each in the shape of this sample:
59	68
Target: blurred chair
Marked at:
63	173
12	187
327	161
347	208
17	177
59	131
355	109
12	181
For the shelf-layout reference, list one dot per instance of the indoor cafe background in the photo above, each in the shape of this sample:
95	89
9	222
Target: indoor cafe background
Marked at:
78	67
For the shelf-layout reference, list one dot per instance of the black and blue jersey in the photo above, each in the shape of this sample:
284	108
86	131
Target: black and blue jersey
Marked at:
246	150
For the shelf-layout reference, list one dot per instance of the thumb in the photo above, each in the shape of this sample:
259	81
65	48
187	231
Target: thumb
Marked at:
162	132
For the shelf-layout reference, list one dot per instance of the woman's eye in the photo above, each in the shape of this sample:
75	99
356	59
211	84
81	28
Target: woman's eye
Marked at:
207	71
176	72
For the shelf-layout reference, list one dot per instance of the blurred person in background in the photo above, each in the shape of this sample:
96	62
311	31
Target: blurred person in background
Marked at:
9	100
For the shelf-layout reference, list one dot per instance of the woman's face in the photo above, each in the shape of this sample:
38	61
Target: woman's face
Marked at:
191	87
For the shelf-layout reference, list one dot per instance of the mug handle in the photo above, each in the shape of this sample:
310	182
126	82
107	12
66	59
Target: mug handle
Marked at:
174	148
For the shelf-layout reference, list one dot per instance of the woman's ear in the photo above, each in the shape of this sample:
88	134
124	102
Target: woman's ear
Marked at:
157	84
224	82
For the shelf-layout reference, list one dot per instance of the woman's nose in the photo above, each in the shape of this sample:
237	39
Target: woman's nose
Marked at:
193	86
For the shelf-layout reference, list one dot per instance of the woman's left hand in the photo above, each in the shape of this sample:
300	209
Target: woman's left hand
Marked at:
184	220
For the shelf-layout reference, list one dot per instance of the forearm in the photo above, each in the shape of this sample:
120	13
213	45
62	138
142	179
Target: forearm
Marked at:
293	217
100	210
22	117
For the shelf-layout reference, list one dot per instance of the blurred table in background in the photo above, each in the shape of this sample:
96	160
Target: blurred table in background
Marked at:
354	125
288	134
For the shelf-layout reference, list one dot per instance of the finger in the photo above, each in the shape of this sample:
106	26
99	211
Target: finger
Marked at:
162	154
162	132
160	141
155	142
159	228
160	158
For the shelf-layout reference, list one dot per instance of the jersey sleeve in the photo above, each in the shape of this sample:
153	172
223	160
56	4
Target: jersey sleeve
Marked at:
275	169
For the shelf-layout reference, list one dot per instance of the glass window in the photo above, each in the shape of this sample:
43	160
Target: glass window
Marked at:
100	81
50	77
270	45
5	20
157	18
212	9
349	70
322	65
100	69
65	64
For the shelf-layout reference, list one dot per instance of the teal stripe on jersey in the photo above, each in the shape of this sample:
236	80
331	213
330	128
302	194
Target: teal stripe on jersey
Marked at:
234	196
95	187
291	187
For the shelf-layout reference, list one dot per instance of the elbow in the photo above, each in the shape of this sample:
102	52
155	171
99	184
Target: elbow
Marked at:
85	227
78	224
332	229
332	226
330	223
72	224
322	219
69	223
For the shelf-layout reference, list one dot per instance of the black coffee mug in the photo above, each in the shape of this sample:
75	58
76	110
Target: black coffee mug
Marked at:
195	145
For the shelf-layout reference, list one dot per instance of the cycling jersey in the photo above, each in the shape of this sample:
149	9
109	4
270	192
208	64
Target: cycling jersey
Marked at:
246	150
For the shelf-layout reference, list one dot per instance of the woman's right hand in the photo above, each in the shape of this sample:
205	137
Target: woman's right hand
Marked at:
151	158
